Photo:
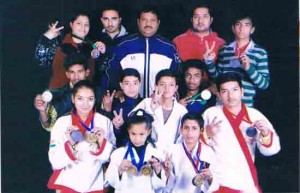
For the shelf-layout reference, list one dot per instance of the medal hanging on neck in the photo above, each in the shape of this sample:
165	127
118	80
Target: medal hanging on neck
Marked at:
83	126
198	165
95	52
136	167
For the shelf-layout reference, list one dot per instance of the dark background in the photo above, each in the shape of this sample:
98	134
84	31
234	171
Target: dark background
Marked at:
25	165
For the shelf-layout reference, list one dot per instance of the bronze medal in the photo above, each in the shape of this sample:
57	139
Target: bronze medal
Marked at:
198	180
146	170
91	138
132	170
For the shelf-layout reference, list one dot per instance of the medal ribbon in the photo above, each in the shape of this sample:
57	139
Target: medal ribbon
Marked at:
235	123
195	165
84	40
83	126
141	156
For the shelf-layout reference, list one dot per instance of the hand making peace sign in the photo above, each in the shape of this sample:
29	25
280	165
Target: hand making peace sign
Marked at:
108	100
53	32
209	55
118	120
156	98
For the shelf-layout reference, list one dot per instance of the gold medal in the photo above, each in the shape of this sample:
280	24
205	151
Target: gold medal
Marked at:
132	170
146	170
91	138
198	180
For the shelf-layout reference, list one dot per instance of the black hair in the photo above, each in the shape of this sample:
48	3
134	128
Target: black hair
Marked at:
228	77
111	7
166	72
242	15
75	58
83	84
195	6
76	15
193	116
140	116
149	8
129	72
193	63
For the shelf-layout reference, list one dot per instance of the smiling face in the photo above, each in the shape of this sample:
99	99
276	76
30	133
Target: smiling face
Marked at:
84	100
148	24
111	21
138	134
80	26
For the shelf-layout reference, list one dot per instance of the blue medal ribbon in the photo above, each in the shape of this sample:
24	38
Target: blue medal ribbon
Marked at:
188	154
132	157
82	124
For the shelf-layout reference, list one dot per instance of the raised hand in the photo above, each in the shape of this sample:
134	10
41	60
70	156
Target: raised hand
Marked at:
53	32
100	134
100	46
125	164
262	126
168	164
184	101
68	132
213	127
40	104
108	100
245	61
118	120
209	55
156	98
155	163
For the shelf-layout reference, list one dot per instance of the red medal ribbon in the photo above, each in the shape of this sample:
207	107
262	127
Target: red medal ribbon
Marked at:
76	120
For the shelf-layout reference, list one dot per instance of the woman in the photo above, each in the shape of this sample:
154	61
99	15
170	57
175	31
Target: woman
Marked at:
52	53
80	143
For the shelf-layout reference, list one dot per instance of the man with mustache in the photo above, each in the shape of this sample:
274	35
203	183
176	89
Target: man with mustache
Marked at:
112	34
145	51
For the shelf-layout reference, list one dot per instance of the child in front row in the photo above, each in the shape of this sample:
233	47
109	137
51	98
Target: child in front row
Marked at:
136	167
190	164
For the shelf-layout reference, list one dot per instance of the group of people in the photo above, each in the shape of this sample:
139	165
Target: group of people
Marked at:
139	113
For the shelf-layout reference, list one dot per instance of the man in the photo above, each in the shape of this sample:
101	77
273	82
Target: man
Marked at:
76	69
195	42
234	130
146	52
244	57
111	35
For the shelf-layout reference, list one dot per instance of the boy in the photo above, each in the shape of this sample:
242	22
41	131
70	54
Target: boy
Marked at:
130	83
245	57
165	109
194	94
190	160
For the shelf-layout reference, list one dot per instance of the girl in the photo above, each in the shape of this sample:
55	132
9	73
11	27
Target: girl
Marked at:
51	53
136	167
80	143
189	163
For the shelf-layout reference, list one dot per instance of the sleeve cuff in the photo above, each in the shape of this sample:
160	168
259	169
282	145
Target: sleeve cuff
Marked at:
203	137
251	70
69	151
101	149
267	140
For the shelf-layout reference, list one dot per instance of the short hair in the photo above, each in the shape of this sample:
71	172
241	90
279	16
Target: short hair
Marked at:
199	64
194	6
75	58
129	72
193	116
149	8
228	77
139	116
164	73
111	7
83	84
240	16
79	13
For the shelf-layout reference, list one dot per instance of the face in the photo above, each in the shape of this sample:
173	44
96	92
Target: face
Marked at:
111	21
193	78
243	29
138	134
168	86
201	20
190	131
231	94
76	73
84	100
131	86
80	26
148	24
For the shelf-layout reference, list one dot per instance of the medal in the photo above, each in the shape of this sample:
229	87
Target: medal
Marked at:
76	136
95	53
205	94
132	170
91	138
146	170
47	96
198	180
251	131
